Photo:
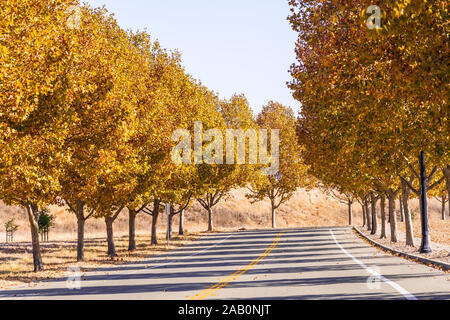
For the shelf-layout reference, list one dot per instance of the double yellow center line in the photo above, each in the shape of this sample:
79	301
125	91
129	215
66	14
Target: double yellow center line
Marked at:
207	292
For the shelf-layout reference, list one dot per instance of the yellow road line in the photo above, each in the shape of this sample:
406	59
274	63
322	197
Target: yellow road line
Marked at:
207	292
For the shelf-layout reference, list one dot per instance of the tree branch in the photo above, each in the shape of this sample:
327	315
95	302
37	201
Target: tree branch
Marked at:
410	186
141	208
411	167
147	211
90	214
434	185
70	206
433	172
117	213
203	203
185	206
221	194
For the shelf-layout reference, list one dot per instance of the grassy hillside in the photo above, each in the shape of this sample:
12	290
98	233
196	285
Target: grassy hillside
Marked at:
305	209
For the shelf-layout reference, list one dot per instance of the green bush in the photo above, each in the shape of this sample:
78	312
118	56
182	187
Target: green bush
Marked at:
11	226
46	221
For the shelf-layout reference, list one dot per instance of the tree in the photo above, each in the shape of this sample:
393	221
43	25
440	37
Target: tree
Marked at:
176	209
292	172
45	222
441	195
103	59
34	59
363	102
214	179
405	196
446	172
443	200
10	228
132	214
347	199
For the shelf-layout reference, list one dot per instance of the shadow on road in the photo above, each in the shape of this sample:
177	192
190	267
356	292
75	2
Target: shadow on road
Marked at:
307	252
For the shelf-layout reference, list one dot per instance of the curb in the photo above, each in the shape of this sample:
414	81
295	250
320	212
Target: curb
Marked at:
430	263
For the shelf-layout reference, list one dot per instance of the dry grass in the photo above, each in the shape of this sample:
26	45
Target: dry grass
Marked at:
305	209
439	229
16	259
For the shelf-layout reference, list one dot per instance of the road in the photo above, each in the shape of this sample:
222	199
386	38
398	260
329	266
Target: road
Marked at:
317	263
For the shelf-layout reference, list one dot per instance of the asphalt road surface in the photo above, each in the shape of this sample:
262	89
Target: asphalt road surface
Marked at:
318	263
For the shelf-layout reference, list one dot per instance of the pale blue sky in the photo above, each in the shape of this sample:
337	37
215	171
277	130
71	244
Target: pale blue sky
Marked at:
232	46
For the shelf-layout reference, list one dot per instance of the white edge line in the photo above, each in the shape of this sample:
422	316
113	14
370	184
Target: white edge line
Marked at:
394	285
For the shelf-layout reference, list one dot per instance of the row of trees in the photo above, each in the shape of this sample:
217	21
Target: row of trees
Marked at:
373	100
87	114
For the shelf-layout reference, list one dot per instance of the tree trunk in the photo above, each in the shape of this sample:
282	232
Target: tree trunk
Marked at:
80	229
110	236
383	216
33	218
368	216
169	225
446	172
180	226
424	215
402	215
350	213
363	214
154	225
274	217
444	199
80	239
406	192
131	229
210	220
373	207
393	216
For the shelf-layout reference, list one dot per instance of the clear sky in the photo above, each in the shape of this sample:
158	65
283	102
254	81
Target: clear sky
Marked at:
232	46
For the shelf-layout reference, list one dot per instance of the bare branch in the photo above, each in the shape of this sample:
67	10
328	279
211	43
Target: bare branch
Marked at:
411	167
117	213
433	172
437	183
184	207
148	211
221	195
203	203
409	184
91	213
141	208
70	206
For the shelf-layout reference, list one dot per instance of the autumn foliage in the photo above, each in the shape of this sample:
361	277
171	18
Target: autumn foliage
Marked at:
87	111
373	99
